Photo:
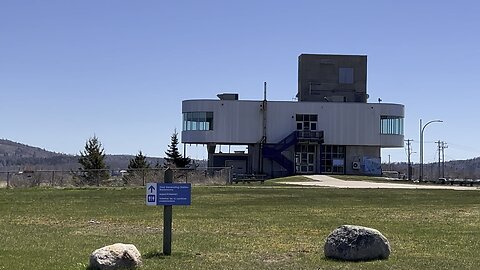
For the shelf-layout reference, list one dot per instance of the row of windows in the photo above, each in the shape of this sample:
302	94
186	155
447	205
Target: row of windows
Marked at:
306	117
198	121
332	159
307	126
306	121
391	125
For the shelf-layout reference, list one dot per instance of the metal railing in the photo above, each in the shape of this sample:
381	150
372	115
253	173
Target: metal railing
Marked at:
312	135
112	178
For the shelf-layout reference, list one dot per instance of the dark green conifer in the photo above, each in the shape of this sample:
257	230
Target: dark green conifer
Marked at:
173	155
92	160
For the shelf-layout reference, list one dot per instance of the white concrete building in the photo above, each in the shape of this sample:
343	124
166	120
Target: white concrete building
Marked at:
311	136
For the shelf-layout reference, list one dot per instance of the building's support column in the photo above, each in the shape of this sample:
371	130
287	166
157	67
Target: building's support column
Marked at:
253	158
211	150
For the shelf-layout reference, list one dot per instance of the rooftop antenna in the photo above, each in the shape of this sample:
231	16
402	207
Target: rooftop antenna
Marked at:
264	91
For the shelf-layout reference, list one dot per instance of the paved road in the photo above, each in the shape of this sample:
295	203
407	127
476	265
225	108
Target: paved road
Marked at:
327	181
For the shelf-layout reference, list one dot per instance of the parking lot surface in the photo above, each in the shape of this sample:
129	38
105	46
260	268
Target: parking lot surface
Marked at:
328	181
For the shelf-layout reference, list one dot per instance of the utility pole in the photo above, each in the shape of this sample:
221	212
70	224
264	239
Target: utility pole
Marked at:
439	143
409	166
389	165
444	145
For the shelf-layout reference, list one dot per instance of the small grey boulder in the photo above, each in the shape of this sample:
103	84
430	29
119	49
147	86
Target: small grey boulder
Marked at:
356	243
116	256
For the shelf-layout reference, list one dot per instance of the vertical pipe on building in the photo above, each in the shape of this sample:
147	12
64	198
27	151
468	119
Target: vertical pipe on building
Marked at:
264	123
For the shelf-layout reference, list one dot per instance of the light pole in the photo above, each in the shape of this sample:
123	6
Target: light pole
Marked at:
422	128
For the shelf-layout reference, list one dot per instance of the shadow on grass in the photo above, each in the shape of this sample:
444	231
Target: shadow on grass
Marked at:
155	255
149	255
324	258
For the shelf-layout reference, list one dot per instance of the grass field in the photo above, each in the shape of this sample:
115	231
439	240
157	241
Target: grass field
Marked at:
239	227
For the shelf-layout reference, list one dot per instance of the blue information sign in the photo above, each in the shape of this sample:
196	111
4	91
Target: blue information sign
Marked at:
169	194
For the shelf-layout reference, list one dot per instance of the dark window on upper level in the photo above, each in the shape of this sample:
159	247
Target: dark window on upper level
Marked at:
345	75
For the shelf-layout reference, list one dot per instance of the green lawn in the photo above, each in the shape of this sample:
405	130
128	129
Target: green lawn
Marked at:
239	227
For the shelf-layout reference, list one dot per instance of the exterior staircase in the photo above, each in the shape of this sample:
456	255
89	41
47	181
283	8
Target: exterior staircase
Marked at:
274	151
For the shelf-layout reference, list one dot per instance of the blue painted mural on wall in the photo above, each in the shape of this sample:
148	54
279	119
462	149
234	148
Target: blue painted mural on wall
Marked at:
372	166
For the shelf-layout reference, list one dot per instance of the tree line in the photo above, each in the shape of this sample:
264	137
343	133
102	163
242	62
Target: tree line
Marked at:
92	160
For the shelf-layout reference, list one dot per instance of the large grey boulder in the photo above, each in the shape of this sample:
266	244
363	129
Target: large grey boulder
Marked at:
116	256
356	243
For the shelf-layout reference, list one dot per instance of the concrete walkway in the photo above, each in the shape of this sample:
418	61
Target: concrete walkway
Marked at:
327	181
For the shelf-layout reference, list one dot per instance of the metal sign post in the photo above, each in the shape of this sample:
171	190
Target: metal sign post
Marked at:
168	194
167	218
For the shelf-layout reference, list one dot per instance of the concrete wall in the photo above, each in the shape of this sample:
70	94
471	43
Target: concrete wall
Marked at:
357	154
240	122
318	78
234	122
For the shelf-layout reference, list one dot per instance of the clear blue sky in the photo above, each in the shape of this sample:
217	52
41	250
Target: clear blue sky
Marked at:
120	69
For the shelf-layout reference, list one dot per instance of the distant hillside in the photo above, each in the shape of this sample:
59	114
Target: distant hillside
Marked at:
18	156
11	149
122	161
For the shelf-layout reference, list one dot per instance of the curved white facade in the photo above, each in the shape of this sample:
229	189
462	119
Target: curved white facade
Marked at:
241	122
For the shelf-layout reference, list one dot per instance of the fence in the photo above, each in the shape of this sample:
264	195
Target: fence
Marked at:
112	178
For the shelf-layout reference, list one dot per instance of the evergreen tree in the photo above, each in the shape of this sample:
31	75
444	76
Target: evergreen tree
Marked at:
139	162
93	161
173	155
136	169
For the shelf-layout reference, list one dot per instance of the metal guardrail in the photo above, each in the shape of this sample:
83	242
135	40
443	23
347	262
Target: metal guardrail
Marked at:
460	182
111	178
247	178
315	135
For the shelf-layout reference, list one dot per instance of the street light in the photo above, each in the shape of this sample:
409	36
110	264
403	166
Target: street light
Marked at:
422	128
